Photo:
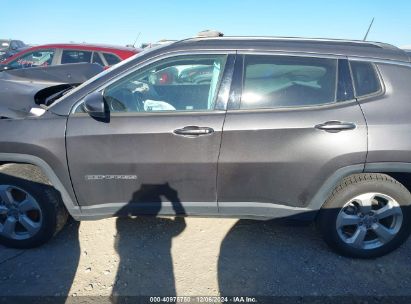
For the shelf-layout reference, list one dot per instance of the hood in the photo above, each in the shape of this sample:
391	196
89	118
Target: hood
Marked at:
22	89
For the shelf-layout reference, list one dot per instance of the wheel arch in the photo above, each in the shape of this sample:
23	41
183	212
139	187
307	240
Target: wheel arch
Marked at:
13	158
400	171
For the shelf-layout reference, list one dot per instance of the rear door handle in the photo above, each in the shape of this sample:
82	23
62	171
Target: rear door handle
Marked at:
336	126
193	131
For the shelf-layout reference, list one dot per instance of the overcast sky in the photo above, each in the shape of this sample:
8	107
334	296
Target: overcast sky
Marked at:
120	21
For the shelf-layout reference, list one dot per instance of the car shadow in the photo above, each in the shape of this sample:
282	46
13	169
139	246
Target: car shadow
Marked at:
279	258
144	245
32	273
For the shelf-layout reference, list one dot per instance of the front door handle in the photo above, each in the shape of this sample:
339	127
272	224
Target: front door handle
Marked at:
194	131
336	126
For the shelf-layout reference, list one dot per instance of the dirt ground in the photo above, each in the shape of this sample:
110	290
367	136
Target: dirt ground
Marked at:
195	256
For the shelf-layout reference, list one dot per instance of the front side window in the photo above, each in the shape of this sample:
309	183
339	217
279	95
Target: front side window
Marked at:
33	59
178	84
365	78
287	81
74	56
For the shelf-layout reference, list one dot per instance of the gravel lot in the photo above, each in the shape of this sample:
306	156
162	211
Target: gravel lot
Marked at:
195	256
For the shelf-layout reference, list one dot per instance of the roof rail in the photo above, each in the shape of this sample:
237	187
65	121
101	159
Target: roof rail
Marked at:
214	35
209	34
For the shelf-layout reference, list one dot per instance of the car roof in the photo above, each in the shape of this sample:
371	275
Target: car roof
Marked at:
354	48
121	51
88	46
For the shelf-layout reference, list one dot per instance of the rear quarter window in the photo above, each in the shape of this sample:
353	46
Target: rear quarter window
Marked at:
365	77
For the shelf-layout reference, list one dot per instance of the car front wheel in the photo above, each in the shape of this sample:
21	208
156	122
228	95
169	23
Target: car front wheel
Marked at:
31	210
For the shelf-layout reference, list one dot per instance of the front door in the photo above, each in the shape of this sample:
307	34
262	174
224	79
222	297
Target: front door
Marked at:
157	152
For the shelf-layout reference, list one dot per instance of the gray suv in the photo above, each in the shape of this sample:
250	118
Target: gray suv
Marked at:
259	128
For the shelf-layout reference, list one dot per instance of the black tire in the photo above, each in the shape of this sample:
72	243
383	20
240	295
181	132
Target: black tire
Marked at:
351	187
54	215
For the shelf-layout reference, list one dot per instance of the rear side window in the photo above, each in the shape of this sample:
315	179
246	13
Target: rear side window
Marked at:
111	58
286	81
365	78
72	56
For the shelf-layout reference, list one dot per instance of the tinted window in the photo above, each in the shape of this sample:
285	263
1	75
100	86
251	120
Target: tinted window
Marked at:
365	78
33	59
282	81
111	58
72	56
178	84
97	59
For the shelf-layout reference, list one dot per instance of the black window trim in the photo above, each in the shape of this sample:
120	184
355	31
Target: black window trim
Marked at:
346	80
234	102
378	93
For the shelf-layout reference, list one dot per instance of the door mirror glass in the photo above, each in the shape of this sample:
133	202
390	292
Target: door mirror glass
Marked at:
94	105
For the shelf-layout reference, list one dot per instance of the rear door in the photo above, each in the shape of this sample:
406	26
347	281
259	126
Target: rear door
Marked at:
292	122
158	151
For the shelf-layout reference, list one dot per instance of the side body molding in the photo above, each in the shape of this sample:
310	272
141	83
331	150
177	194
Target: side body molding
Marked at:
71	206
388	167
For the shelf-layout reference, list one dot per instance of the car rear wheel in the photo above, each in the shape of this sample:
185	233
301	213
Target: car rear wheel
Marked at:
367	216
31	211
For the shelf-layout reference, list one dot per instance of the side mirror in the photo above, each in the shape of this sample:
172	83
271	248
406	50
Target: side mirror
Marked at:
94	105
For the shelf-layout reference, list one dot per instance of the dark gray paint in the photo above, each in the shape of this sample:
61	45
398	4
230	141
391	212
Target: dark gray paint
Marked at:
146	146
278	156
388	117
272	163
41	138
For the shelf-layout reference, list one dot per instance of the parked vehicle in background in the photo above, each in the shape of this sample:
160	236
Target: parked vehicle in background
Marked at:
408	51
23	89
54	54
9	47
154	44
255	127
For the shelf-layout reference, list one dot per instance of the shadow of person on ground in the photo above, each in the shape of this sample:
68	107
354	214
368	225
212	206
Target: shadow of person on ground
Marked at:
144	244
277	258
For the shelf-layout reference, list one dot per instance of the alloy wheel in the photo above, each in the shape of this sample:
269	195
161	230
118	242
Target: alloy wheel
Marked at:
20	214
369	221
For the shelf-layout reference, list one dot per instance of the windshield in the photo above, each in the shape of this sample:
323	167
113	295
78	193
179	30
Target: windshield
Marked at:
112	68
4	44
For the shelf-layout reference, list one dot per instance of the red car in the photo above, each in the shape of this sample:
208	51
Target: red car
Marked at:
53	54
